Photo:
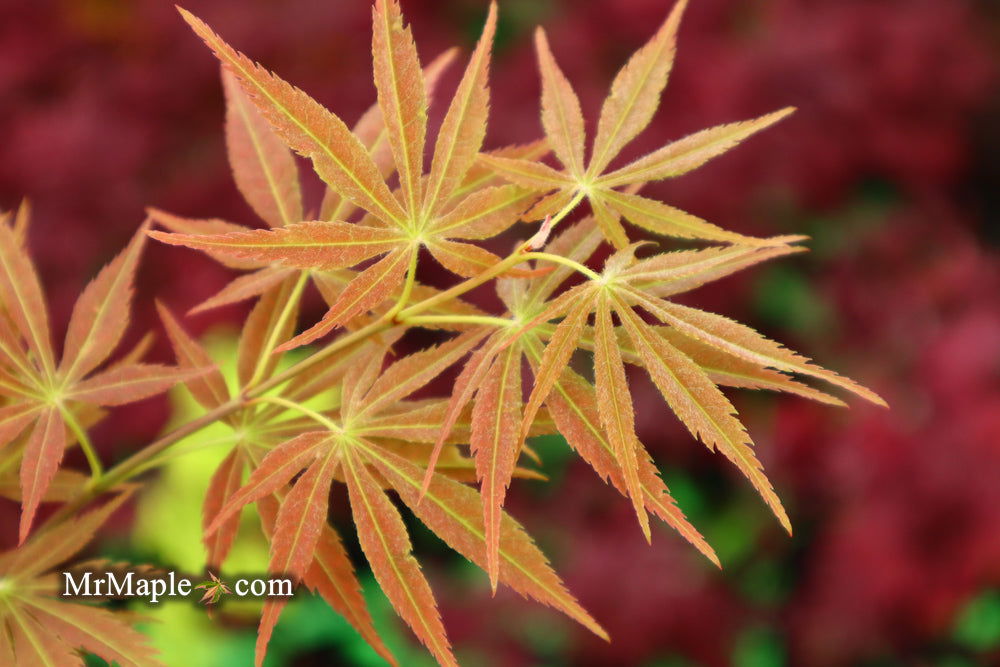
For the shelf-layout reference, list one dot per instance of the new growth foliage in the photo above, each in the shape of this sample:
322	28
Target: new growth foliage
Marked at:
346	414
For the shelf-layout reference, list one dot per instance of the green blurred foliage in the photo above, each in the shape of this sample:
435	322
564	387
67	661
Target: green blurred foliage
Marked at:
759	647
785	297
978	624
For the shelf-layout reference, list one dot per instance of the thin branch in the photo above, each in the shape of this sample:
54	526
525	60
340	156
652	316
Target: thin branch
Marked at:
459	319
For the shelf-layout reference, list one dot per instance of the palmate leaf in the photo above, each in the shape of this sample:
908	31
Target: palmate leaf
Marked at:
474	219
48	401
491	378
598	423
398	225
352	420
627	111
38	628
684	382
266	176
327	570
360	434
214	589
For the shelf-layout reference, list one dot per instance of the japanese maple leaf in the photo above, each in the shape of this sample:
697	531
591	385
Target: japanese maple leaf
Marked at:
686	360
491	379
52	400
38	626
597	422
266	175
627	111
358	443
420	214
260	428
256	430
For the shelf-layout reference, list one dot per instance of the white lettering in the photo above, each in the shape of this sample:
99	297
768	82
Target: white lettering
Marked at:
120	589
81	588
280	587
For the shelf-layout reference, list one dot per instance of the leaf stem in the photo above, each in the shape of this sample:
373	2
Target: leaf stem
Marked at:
334	346
272	339
298	407
411	279
508	262
96	469
568	208
565	261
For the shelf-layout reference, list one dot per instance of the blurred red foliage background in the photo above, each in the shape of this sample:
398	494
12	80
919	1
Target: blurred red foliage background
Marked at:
892	165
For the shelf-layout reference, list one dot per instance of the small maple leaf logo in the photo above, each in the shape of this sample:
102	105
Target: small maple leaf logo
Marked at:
214	590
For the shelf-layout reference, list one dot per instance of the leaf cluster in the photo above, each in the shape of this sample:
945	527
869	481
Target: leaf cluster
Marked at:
354	412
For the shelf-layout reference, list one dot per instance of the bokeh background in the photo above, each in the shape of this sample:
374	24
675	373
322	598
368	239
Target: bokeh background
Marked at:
892	165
